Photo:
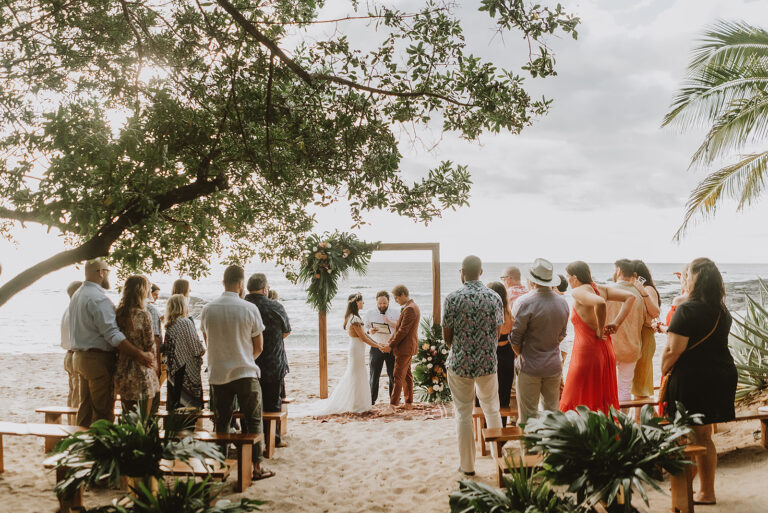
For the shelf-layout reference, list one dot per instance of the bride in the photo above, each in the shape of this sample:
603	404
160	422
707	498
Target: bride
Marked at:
352	394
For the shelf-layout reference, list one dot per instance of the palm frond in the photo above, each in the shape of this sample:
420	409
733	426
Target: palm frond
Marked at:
743	181
730	42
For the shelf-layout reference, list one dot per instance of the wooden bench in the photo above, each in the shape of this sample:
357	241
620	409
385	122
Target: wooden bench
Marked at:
275	420
755	415
244	444
51	433
497	437
638	403
478	424
682	484
284	425
73	504
196	468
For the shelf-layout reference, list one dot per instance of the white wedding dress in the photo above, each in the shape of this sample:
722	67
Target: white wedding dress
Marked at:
352	394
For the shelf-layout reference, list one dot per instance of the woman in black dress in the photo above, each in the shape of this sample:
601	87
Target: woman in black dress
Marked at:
704	377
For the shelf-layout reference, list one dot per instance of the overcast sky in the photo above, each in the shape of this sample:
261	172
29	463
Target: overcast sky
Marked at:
596	179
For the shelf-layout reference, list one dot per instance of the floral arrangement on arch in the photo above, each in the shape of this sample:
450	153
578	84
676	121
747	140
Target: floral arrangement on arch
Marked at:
430	375
327	258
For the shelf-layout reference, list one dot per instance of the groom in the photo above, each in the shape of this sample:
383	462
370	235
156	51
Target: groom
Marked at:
403	344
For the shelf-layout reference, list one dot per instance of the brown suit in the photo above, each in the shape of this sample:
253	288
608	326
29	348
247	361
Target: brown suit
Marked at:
404	344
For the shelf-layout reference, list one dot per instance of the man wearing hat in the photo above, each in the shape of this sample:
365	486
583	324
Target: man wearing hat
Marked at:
540	326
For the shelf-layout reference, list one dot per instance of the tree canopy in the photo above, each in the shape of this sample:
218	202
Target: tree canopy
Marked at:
162	132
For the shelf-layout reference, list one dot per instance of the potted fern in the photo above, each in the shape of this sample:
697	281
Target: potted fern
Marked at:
128	452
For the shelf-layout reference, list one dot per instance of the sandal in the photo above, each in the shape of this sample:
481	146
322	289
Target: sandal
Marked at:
262	474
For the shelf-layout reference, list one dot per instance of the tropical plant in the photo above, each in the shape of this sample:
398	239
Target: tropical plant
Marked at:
164	134
185	496
430	376
329	258
522	493
725	91
749	344
131	447
599	456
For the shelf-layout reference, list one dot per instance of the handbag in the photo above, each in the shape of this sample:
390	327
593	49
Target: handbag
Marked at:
665	378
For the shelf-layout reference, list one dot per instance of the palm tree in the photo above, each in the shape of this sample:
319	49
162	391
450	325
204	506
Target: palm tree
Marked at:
726	91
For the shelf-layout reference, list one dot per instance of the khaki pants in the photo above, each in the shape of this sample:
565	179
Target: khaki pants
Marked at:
73	397
96	370
625	372
463	391
532	389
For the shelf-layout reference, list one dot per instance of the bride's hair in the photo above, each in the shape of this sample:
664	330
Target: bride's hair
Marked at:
352	309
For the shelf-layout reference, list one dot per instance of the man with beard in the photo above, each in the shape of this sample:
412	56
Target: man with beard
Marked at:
383	315
94	336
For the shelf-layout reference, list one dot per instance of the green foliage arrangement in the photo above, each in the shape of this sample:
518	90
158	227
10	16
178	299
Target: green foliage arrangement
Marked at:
598	456
724	92
130	447
329	258
430	377
164	134
522	493
185	496
749	345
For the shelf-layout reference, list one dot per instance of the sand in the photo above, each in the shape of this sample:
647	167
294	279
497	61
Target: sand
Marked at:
347	464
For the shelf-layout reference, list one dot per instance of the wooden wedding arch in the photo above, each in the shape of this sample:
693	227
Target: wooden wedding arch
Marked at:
434	247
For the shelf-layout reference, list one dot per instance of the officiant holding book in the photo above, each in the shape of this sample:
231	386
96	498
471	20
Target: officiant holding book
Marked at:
380	324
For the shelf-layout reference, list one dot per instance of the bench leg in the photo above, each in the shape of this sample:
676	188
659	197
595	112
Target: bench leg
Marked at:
284	425
244	466
269	450
49	443
2	464
764	432
74	504
682	490
53	418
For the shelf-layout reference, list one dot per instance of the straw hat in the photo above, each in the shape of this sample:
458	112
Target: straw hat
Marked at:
542	273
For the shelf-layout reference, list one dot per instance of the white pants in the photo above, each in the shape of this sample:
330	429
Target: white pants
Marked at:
463	391
625	372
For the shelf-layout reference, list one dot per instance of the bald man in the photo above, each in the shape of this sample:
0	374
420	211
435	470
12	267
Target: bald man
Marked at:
512	281
95	338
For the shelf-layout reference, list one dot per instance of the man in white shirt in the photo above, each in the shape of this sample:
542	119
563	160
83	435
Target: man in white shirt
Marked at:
73	397
383	315
233	328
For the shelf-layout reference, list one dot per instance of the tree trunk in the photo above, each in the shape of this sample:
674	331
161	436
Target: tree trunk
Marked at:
94	248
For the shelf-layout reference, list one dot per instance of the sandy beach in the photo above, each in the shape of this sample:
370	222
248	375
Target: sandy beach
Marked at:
343	464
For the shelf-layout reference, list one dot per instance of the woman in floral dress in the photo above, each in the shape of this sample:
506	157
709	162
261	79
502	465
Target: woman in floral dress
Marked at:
132	380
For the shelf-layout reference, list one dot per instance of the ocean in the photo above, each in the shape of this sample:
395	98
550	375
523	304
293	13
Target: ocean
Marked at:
30	322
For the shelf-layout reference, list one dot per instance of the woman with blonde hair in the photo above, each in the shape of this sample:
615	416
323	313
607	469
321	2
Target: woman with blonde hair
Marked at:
184	355
132	380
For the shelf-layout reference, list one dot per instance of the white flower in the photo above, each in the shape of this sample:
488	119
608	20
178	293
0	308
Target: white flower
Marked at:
314	249
429	366
432	348
439	388
444	351
429	359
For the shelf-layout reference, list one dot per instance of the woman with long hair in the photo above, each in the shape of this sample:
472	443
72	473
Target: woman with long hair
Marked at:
679	299
702	372
180	287
642	382
505	356
184	355
352	394
134	381
591	379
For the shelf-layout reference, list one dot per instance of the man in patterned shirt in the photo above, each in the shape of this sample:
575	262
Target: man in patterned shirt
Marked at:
471	323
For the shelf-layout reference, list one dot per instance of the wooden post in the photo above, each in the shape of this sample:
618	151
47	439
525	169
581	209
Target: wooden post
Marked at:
436	285
323	355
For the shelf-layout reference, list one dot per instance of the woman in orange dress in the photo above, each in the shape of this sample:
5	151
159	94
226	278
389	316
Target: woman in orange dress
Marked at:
591	379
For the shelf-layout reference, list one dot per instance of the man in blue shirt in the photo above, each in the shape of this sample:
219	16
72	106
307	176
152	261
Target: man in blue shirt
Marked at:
94	337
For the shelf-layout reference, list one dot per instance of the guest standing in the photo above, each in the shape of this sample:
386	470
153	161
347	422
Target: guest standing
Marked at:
73	396
383	314
184	355
472	318
94	336
627	341
703	375
591	379
540	326
505	356
403	344
272	362
642	384
157	331
134	381
511	279
233	328
180	287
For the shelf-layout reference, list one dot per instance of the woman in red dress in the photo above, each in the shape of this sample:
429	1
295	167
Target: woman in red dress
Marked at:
591	379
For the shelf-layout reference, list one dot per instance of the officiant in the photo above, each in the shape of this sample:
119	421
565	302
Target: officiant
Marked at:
380	324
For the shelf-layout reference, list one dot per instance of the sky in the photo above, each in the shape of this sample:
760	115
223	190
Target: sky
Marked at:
596	179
